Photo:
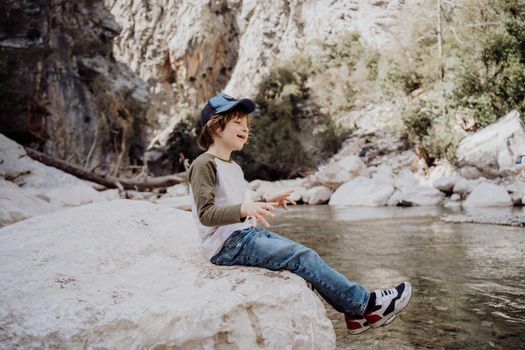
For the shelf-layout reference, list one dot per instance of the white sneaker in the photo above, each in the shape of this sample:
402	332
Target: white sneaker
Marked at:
389	302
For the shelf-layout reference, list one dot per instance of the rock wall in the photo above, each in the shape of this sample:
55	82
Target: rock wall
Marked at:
99	82
65	93
190	50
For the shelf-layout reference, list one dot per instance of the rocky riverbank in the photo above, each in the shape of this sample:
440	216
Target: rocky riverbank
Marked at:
491	219
378	171
368	171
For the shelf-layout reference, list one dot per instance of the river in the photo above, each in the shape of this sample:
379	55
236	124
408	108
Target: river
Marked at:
468	279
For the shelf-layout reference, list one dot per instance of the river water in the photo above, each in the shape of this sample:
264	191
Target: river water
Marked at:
468	279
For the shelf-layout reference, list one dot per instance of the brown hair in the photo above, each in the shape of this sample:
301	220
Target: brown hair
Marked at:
218	122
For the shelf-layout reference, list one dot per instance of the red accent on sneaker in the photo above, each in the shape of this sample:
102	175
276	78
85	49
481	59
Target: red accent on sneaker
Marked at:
371	318
356	325
353	325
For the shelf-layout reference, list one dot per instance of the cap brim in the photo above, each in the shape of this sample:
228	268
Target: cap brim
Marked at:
246	104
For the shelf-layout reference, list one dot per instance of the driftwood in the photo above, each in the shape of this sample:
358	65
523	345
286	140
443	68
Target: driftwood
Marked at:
106	180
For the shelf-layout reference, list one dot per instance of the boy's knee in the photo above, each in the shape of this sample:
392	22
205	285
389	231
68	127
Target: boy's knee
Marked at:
307	256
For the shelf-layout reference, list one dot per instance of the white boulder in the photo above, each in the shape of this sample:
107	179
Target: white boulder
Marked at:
362	191
410	193
353	166
405	180
416	196
339	170
463	187
260	189
16	204
180	202
452	204
317	195
488	195
442	169
516	191
39	183
383	173
298	194
496	147
134	278
178	190
446	184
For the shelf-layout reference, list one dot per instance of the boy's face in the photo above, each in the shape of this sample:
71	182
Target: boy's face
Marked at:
235	134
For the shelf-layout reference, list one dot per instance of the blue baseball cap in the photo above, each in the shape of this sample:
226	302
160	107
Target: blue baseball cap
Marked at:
223	103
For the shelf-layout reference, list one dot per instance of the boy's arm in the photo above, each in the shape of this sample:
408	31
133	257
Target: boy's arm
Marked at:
203	177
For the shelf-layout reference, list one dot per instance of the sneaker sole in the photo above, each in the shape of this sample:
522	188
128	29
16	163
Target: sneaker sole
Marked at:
364	329
401	304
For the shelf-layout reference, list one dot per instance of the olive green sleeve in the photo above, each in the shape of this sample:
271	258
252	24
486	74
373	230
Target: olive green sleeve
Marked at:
202	176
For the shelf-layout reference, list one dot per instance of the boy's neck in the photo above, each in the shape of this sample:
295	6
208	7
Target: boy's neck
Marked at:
220	152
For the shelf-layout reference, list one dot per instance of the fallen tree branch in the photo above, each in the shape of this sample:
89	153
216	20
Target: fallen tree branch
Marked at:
106	180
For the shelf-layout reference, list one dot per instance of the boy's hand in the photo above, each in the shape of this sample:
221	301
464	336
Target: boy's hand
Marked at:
257	211
282	200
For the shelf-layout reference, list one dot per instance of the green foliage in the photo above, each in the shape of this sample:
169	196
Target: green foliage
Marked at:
290	135
400	77
346	50
137	109
427	127
493	82
442	141
182	143
417	121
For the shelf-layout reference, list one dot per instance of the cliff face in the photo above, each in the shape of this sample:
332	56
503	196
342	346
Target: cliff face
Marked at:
189	50
94	82
64	92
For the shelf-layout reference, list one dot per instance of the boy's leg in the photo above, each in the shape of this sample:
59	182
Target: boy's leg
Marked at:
259	247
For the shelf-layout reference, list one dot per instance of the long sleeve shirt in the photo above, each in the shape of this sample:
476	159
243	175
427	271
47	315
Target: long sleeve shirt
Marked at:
217	189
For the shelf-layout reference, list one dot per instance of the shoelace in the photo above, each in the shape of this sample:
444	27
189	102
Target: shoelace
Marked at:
386	292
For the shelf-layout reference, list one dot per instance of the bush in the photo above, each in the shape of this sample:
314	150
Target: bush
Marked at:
493	83
428	128
400	77
290	136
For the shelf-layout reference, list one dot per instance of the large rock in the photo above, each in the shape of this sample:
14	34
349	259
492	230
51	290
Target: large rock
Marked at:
31	188
16	204
181	202
442	169
446	184
417	196
410	193
464	187
516	191
494	148
317	195
488	195
338	170
362	191
131	275
260	189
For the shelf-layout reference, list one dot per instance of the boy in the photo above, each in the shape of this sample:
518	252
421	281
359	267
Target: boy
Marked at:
227	223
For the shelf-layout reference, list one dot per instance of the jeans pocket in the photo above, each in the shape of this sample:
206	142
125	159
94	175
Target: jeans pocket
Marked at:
233	246
232	241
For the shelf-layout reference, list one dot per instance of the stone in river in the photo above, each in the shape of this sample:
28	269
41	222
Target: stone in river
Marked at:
488	195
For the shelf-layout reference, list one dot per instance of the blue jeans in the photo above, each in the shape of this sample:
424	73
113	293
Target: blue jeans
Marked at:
256	246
